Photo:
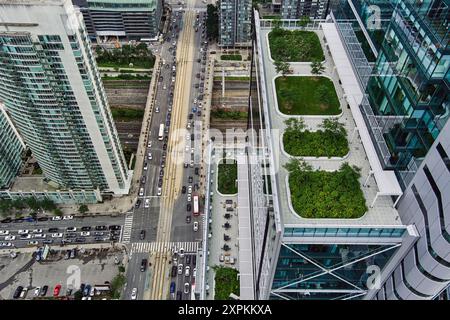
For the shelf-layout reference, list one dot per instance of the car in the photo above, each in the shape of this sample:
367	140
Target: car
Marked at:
149	145
47	241
44	291
159	191
39	236
99	239
5	244
70	235
199	113
147	203
149	156
188	207
143	180
73	253
17	292
85	233
87	228
186	288
56	290
100	228
37	290
98	233
195	226
163	164
21	231
10	238
134	294
6	220
137	204
57	235
194	272
156	110
37	231
42	219
190	179
188	219
189	199
67	217
80	239
179	295
141	192
165	146
192	164
188	259
33	243
191	115
145	166
183	189
142	235
174	271
189	189
188	126
71	229
161	172
160	182
186	164
187	271
144	265
172	287
25	236
92	292
53	230
115	227
181	252
196	171
56	218
180	268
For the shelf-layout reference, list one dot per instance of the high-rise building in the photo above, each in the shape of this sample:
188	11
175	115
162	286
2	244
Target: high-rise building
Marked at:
235	22
295	9
11	150
124	19
52	92
392	65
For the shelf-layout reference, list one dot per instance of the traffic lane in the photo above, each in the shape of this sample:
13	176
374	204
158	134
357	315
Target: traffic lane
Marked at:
134	277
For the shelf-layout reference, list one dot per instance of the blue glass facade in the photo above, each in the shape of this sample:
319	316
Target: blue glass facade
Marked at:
326	271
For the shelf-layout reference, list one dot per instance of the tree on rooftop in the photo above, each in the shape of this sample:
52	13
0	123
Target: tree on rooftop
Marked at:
317	67
282	67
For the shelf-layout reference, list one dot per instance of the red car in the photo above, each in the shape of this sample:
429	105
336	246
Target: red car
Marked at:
56	290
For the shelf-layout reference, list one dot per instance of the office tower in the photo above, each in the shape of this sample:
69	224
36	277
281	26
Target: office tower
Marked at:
235	22
295	9
122	19
11	150
52	91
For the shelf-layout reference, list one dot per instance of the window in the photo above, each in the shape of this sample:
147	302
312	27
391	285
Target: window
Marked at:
444	156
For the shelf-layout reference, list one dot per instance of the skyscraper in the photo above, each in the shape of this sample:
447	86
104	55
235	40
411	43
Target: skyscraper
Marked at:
395	80
235	22
124	19
52	91
295	9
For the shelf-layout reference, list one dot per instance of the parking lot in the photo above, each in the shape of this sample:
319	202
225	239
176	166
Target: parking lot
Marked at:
91	266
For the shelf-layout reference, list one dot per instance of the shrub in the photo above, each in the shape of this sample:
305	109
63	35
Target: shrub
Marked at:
226	282
227	176
295	46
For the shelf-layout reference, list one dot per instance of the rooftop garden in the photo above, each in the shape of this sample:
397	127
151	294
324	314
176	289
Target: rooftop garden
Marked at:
295	46
235	57
323	194
307	96
227	176
329	142
226	282
127	114
229	114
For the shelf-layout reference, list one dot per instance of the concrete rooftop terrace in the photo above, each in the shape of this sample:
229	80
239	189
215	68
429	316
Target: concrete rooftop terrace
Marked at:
382	213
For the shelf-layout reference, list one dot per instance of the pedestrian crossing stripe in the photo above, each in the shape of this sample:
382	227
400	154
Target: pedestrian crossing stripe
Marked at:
126	235
142	247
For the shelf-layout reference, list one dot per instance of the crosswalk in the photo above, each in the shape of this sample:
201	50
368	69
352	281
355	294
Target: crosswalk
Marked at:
142	247
126	235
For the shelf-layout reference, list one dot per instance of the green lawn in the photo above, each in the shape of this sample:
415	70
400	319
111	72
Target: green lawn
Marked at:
120	84
315	144
226	282
307	96
230	115
227	177
235	57
295	46
127	114
323	194
231	78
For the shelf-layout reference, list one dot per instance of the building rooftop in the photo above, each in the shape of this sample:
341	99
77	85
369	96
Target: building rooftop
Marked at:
362	153
31	183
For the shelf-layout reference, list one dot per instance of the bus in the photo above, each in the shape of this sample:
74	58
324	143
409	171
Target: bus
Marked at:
196	209
161	132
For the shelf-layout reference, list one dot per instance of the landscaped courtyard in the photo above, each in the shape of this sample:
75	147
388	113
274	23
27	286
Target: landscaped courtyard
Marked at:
329	142
225	282
295	46
227	176
307	96
323	194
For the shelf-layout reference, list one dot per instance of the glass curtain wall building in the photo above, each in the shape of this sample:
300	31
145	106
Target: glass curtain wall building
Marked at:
52	91
295	9
235	22
125	19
